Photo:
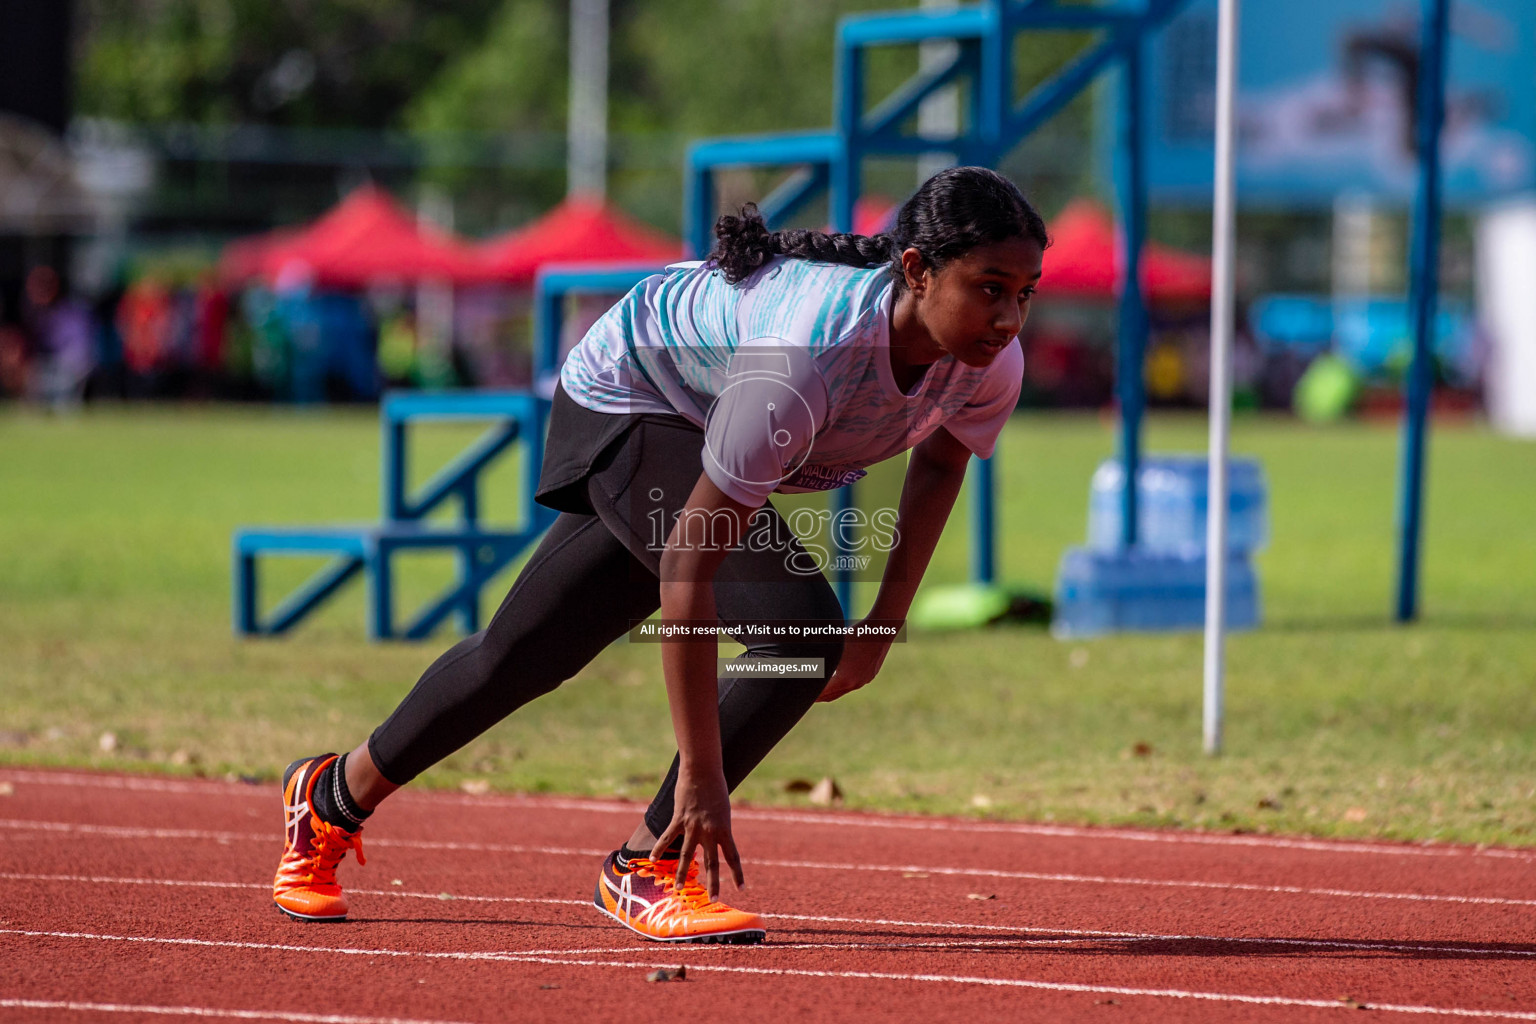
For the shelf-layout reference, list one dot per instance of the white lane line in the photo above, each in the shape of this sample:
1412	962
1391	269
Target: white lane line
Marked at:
954	945
126	832
1023	983
597	806
1077	934
18	876
206	1011
1060	986
137	832
1045	876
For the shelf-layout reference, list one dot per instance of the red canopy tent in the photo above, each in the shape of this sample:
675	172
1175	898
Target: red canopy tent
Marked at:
579	230
1084	260
368	237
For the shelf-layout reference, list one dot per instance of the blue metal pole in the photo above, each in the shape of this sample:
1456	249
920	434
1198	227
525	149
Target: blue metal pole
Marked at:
548	321
381	612
699	210
995	81
846	165
1131	184
469	556
843	194
983	521
247	620
842	577
395	481
1424	286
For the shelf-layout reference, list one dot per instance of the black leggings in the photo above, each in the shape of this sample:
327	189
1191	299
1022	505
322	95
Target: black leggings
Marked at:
594	576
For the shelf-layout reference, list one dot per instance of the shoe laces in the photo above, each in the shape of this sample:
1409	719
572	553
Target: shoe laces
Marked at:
330	845
688	891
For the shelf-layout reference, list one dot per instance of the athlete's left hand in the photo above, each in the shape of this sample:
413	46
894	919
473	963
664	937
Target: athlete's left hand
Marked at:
859	664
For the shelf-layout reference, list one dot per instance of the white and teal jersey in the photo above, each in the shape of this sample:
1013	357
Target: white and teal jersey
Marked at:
787	372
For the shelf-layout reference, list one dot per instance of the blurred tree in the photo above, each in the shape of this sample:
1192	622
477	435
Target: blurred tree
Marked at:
481	85
682	67
322	63
678	69
513	80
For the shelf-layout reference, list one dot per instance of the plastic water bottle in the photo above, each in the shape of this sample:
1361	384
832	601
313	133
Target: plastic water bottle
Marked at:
1173	504
1135	589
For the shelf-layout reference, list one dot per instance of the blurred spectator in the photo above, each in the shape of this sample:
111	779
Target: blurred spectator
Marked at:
110	374
144	318
301	324
397	347
210	317
63	340
491	327
13	360
212	324
349	343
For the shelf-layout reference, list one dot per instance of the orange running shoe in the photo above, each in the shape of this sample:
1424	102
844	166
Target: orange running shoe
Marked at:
644	897
306	887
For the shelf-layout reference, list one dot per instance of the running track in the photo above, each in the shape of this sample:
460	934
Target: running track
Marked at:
137	898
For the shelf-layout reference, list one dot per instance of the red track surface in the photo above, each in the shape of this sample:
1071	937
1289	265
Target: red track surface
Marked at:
142	898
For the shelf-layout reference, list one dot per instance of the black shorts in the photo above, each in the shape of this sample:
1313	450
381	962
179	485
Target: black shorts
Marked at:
576	443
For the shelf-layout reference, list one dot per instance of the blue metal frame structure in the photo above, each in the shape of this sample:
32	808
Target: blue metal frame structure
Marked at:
830	162
369	549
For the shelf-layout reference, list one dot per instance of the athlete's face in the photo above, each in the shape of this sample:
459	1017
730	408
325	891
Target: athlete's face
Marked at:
976	304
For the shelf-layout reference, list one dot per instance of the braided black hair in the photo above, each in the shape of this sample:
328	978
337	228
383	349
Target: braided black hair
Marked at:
953	212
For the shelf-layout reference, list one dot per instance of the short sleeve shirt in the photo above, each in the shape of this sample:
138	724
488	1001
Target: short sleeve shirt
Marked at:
788	373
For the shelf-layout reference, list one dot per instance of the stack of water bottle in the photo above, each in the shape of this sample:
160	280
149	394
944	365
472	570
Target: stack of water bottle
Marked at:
1159	582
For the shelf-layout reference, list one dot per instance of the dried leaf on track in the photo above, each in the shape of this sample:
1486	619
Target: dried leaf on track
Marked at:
679	973
826	793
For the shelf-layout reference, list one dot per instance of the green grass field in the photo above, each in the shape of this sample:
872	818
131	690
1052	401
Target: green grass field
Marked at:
115	618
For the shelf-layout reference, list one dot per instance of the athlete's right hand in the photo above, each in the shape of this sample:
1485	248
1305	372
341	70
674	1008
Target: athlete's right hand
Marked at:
701	816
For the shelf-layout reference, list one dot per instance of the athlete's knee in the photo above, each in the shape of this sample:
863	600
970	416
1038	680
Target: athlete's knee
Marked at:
524	679
527	666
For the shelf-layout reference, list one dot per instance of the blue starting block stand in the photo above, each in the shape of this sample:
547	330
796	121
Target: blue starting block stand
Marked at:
1158	583
369	549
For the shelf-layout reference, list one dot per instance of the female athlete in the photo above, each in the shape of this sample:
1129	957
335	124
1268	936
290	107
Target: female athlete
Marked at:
786	362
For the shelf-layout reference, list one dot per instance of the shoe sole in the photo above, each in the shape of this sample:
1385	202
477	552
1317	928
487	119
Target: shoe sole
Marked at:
310	917
744	937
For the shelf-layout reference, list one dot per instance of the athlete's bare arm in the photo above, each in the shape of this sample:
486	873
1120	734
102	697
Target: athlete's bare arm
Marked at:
710	526
934	475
